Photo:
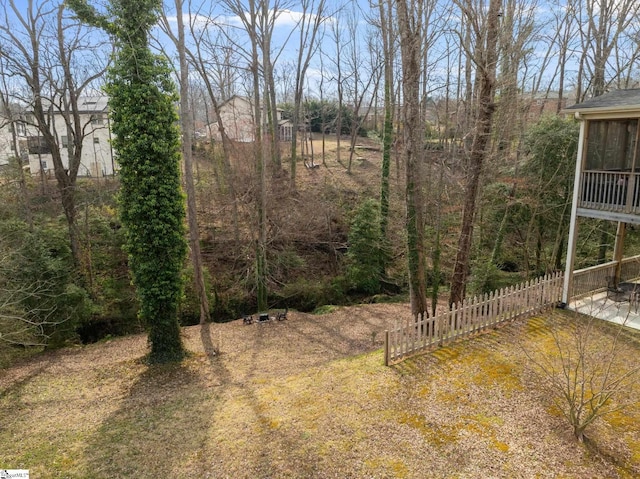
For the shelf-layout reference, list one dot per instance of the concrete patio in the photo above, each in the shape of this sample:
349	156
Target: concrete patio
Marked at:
599	306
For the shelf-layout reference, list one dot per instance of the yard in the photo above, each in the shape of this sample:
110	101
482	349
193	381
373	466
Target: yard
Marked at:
306	397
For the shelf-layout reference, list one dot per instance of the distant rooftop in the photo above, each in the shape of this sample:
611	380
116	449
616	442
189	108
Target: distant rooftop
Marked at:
613	101
93	103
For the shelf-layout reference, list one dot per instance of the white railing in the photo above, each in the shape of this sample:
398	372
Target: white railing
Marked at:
610	191
409	337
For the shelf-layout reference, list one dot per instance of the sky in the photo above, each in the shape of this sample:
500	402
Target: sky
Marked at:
285	38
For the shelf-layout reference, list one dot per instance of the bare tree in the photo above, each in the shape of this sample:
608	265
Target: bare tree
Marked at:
186	122
515	44
313	16
584	371
57	61
21	325
253	21
365	71
336	59
602	25
411	35
485	58
211	50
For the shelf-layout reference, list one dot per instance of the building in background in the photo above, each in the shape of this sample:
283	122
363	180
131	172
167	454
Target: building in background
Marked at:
12	141
237	117
97	156
606	187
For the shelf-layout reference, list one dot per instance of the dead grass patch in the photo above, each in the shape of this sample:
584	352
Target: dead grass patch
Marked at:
307	397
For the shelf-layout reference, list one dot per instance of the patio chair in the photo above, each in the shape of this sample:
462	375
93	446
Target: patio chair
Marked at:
632	291
614	291
282	315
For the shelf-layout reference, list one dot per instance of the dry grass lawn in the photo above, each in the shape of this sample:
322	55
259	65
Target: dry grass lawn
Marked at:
303	398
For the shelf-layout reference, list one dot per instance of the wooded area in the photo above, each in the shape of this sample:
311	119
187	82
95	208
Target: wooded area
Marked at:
427	155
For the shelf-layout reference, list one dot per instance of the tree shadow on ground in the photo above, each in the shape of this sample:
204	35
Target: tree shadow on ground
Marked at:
253	440
159	425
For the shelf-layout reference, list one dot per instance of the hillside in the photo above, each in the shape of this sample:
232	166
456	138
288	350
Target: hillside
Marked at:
303	398
308	226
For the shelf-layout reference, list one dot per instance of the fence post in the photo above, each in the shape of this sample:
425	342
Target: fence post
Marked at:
386	347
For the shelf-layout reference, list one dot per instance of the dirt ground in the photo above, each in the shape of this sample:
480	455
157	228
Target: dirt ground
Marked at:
308	397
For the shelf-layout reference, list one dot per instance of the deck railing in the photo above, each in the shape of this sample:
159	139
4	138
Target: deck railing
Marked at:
616	191
595	279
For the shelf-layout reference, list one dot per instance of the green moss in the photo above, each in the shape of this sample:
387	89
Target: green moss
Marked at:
325	309
447	353
394	467
438	434
500	446
496	371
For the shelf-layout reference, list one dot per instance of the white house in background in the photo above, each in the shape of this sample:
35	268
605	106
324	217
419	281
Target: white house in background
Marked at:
97	156
8	147
238	120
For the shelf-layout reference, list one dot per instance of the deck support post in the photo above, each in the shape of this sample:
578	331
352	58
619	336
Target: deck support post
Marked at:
618	250
573	225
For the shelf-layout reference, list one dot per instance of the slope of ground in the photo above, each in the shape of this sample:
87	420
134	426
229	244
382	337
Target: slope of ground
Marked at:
307	397
308	227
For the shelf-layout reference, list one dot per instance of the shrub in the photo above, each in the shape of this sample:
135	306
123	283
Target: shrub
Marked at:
485	277
40	303
364	257
585	370
307	295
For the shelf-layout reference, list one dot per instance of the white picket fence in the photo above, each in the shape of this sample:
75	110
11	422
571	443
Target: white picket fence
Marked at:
409	337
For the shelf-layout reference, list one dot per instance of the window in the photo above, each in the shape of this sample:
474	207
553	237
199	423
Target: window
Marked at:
37	145
65	141
21	129
611	144
96	141
43	165
96	119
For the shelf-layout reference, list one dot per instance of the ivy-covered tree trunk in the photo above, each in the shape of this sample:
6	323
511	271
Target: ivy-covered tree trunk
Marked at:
387	131
410	36
146	139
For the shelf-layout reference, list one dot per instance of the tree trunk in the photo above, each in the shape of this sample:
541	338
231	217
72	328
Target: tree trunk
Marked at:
500	234
310	26
260	148
486	91
192	210
410	41
387	130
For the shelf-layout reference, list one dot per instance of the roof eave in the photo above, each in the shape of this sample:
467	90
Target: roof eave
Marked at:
631	111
